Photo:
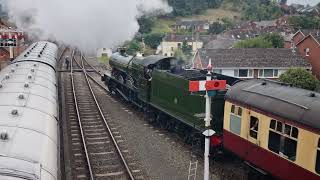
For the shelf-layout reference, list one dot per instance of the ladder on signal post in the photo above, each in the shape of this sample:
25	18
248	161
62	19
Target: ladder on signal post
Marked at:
193	166
195	151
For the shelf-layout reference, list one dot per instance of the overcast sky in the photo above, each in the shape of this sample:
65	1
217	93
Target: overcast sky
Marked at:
305	2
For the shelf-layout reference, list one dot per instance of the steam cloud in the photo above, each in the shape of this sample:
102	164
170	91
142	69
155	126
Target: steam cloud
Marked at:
82	23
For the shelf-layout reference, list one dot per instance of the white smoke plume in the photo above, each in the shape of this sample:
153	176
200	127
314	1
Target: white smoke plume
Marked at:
83	23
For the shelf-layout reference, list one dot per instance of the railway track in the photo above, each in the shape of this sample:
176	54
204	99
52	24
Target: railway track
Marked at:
96	153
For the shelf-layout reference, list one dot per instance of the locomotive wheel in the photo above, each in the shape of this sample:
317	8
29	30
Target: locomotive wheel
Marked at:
120	79
129	81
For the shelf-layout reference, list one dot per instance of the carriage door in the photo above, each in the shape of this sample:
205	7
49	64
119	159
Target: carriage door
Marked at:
253	131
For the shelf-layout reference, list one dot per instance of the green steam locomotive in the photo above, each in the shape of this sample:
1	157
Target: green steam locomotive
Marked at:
159	86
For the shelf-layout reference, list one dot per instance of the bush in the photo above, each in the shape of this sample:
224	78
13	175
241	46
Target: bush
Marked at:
254	43
265	41
276	40
300	78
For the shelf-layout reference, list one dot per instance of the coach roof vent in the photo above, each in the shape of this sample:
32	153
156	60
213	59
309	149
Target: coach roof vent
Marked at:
15	112
312	94
21	96
4	136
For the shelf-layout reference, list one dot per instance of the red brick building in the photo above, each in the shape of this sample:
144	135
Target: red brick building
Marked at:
308	45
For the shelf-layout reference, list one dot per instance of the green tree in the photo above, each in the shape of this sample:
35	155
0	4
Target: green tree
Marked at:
146	24
214	3
188	7
276	40
304	22
300	78
153	39
186	48
133	47
216	28
261	10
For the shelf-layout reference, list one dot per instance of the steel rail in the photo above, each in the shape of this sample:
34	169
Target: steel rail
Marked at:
79	119
85	59
62	53
104	119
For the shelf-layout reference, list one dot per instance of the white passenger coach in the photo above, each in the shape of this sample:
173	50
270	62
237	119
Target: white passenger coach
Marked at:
29	125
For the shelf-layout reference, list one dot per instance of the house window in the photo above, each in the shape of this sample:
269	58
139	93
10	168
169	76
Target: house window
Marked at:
317	168
283	139
172	48
165	54
254	127
243	73
307	51
179	45
235	119
268	73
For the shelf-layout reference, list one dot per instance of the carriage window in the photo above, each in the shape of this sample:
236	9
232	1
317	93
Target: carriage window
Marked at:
279	126
254	125
318	159
294	132
235	124
273	124
235	119
233	107
239	111
283	139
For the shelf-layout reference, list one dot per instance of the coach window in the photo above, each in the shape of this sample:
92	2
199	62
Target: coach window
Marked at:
254	127
283	139
239	111
318	159
233	108
235	119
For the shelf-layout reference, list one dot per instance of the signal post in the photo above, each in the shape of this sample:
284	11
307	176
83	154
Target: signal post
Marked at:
210	87
9	38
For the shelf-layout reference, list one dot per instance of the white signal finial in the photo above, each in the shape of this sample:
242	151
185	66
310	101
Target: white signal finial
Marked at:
209	67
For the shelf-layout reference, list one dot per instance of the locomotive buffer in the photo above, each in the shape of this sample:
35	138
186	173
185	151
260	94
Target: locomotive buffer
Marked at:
210	87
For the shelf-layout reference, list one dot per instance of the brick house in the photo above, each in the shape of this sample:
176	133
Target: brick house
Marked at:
309	48
251	62
297	37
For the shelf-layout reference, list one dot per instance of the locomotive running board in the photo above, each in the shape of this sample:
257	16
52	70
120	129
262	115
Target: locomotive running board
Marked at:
123	95
127	99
